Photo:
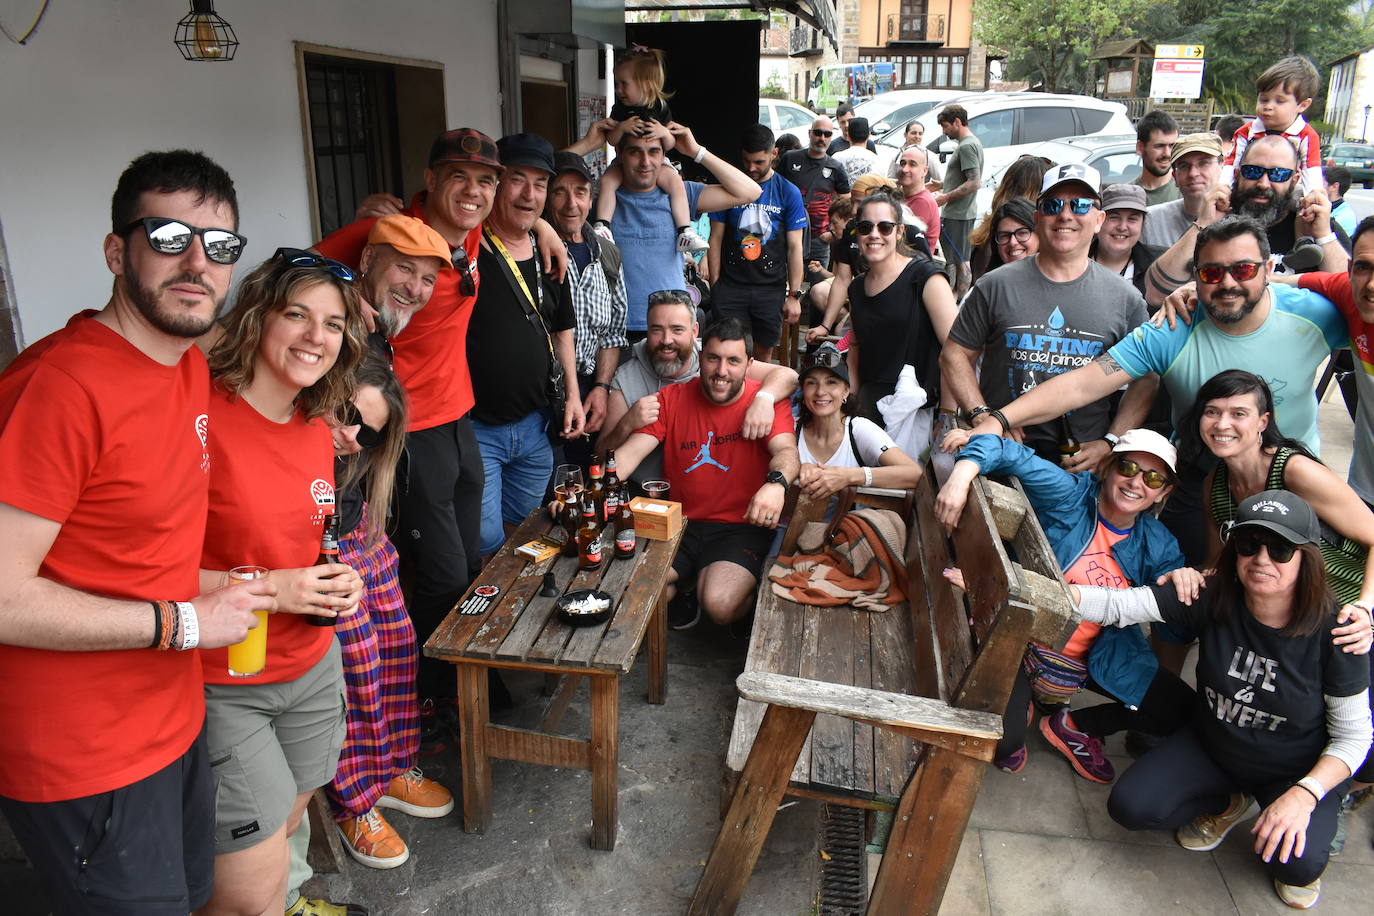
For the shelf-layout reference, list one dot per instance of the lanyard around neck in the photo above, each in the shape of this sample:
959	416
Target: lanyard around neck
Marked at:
535	299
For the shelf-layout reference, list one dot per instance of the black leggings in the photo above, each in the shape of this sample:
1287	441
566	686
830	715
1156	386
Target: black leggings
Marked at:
1178	781
1166	707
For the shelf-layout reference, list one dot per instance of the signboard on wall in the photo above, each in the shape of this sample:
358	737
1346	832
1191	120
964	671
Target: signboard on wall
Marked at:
1177	72
591	109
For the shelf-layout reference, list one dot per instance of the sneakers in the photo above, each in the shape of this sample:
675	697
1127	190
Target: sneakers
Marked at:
1299	898
689	242
603	229
372	841
417	796
1206	832
684	613
1014	762
1305	256
1083	751
305	906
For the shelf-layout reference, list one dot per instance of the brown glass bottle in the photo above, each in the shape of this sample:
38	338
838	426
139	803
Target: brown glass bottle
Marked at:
596	489
329	553
624	525
1068	445
612	484
589	538
570	517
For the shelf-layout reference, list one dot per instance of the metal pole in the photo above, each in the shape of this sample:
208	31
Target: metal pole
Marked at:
1364	131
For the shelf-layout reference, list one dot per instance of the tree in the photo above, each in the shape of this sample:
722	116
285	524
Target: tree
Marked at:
1047	35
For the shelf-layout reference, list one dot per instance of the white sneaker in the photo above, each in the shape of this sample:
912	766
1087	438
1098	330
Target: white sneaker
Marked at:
689	241
604	230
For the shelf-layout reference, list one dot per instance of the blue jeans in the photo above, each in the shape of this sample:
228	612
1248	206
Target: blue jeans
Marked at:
518	461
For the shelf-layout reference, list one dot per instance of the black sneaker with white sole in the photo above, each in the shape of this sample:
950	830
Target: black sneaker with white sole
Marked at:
684	613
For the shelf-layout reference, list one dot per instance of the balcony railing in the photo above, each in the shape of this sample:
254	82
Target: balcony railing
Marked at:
928	29
804	41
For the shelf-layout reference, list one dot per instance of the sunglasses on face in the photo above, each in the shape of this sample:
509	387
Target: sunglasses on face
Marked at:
1241	271
822	133
170	236
367	437
1021	235
1052	206
1248	544
1155	480
1277	174
866	226
467	284
298	257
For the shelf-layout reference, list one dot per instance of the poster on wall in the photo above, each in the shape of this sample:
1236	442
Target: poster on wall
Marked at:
591	109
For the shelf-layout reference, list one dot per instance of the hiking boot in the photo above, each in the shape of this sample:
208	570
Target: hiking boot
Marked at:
1206	831
1083	751
305	906
1014	762
689	242
417	796
1299	898
372	841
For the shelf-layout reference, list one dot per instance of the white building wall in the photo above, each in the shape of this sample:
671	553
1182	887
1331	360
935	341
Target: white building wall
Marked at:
101	82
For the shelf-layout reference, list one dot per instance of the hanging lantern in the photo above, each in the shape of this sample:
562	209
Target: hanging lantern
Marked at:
202	34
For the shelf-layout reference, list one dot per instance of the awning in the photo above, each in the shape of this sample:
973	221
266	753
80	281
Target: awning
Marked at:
819	14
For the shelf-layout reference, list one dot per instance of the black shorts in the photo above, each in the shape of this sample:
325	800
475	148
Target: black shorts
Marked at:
758	307
147	848
704	543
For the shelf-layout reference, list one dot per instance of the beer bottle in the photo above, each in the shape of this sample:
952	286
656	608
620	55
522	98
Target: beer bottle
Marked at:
596	490
570	517
612	482
329	553
589	538
624	525
1068	445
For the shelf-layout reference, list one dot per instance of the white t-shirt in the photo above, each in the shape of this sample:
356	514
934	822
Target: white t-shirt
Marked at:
871	438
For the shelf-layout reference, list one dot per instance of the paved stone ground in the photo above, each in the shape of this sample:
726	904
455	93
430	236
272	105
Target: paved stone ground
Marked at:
1039	842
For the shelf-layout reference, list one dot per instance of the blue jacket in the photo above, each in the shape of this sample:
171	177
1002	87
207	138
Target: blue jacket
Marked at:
1066	505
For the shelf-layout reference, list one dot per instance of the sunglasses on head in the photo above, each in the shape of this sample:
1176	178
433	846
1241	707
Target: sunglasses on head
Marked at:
825	358
299	257
1248	544
1241	271
1276	173
1052	206
1021	235
171	236
367	437
1155	480
816	132
866	226
467	283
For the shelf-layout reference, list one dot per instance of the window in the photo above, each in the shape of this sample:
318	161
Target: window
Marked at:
789	117
993	128
1047	124
1093	119
1117	168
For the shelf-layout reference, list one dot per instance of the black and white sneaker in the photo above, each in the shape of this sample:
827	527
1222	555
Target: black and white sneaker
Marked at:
684	613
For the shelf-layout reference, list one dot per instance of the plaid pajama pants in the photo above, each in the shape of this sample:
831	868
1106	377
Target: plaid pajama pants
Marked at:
379	659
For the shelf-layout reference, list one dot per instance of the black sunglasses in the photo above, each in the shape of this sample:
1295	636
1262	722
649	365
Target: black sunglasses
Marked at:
171	236
822	133
884	227
1277	174
1155	480
1248	544
467	283
367	437
1051	206
299	257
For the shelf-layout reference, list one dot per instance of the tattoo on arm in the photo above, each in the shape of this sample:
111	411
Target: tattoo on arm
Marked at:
1108	363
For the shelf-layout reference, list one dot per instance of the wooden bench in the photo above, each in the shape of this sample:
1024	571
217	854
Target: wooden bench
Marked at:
898	710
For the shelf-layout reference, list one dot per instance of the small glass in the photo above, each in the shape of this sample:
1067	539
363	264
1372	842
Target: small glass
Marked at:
249	657
567	482
655	489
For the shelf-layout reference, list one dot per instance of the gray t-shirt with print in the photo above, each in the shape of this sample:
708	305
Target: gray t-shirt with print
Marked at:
1165	224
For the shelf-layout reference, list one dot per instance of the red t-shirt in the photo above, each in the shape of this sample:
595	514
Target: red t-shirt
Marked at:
431	354
712	469
271	486
1095	566
1336	287
97	436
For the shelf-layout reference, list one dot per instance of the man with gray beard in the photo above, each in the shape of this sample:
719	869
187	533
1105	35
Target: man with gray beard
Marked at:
667	355
399	267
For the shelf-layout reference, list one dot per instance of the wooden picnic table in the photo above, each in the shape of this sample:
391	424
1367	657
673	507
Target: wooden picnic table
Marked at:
519	629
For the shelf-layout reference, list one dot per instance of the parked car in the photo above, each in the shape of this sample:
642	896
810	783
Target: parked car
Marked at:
1357	157
783	117
1010	123
1113	156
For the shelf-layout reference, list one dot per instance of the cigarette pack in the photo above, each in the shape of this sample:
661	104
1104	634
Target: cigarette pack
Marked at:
538	550
656	519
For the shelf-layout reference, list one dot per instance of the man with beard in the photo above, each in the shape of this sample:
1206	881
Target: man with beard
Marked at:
820	179
520	337
1299	231
755	254
1247	321
669	355
398	272
730	485
1155	136
103	502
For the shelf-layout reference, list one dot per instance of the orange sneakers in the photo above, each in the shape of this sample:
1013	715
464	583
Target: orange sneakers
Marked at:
372	841
417	796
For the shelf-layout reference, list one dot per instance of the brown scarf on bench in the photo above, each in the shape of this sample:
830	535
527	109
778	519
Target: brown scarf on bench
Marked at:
863	565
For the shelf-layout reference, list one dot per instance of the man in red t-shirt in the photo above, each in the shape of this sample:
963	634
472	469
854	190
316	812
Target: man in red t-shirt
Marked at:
103	501
730	487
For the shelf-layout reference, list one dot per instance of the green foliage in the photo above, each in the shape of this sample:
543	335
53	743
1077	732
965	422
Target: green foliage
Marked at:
774	89
1046	35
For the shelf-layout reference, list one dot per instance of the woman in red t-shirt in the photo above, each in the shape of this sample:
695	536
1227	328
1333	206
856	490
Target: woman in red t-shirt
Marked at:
285	361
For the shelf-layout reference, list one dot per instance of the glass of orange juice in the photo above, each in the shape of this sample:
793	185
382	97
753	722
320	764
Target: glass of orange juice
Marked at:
248	658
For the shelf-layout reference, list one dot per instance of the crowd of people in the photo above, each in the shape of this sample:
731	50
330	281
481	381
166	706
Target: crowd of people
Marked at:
386	405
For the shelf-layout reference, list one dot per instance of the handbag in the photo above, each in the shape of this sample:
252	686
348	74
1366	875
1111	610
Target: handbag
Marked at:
533	304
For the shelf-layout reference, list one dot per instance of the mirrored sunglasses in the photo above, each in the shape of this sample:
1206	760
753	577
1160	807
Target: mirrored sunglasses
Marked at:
1052	206
1241	271
1248	544
1155	480
299	257
1277	174
866	226
171	236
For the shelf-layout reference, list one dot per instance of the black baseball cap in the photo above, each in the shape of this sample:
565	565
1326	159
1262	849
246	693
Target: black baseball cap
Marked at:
827	357
564	161
526	150
1281	511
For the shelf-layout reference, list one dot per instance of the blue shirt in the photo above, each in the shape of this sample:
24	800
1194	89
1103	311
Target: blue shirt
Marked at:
1301	331
643	228
754	249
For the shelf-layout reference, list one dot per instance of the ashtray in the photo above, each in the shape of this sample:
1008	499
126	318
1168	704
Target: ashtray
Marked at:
584	607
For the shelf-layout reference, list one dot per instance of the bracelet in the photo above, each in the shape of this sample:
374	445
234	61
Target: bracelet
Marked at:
997	415
157	626
821	325
701	154
1310	783
1327	239
190	626
606	385
946	412
868	477
765	394
978	411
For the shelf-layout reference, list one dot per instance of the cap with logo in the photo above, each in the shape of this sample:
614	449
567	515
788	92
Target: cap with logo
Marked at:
1149	442
411	236
464	145
1206	142
1124	197
1282	512
828	357
526	151
1072	172
564	161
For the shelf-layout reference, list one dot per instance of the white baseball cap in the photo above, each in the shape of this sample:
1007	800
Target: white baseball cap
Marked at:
1151	442
1072	171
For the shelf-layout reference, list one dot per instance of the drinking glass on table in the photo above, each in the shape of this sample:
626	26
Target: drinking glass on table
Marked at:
248	658
567	482
655	489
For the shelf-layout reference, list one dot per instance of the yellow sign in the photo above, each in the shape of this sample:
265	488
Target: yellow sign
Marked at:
1179	52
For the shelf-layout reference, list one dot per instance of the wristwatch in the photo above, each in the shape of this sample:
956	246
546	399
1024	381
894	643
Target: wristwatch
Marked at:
777	477
795	293
1111	440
